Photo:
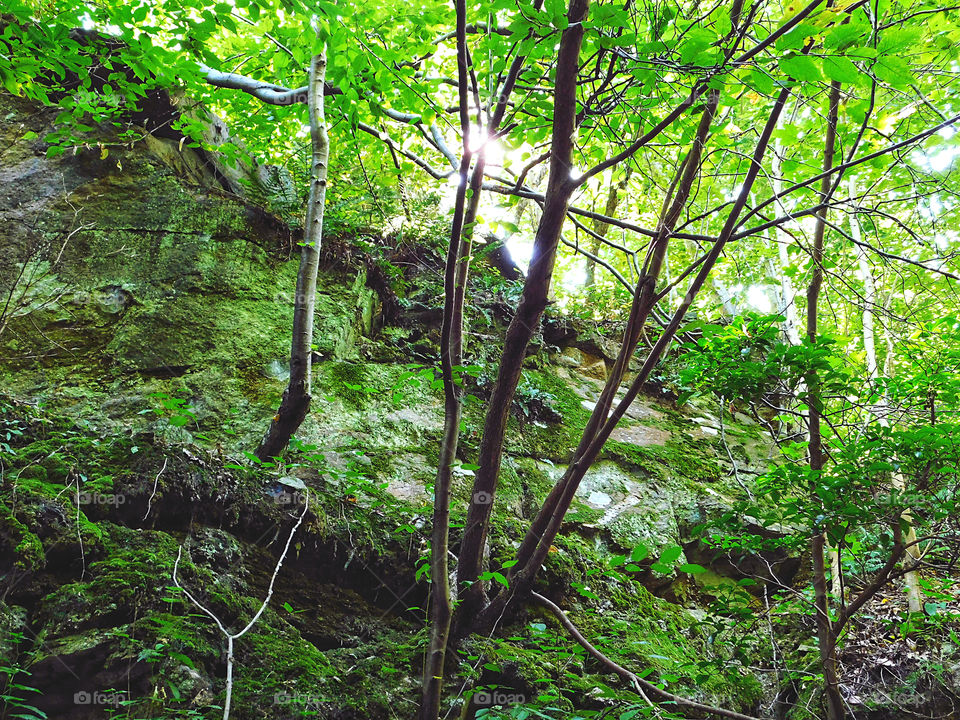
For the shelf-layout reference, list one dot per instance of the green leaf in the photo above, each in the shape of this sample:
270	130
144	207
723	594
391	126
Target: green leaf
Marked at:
760	81
800	67
696	43
639	553
582	589
671	554
795	39
692	568
895	71
841	36
841	69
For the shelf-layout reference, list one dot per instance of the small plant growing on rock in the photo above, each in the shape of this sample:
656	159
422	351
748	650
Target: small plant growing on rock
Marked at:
13	691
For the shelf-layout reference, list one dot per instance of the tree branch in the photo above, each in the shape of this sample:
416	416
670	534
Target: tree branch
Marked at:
638	683
269	93
695	94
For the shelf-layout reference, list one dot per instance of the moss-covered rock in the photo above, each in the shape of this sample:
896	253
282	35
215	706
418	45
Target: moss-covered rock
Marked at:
136	280
155	336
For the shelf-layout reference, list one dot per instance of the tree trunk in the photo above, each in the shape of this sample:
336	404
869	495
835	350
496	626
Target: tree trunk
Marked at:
726	297
451	353
826	633
296	398
524	324
546	525
912	578
605	417
788	295
601	228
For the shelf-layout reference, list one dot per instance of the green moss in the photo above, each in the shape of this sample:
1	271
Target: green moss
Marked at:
553	441
188	635
196	297
640	631
653	633
349	380
277	670
137	567
37	516
651	460
583	514
569	558
678	458
199	302
530	478
28	550
381	465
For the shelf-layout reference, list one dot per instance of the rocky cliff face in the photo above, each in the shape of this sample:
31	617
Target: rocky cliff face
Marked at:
142	350
134	272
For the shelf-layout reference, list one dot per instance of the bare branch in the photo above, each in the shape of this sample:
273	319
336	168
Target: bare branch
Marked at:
638	683
269	93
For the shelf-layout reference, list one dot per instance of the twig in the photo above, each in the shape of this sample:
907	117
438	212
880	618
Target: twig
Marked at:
83	557
231	637
639	683
154	493
775	655
733	462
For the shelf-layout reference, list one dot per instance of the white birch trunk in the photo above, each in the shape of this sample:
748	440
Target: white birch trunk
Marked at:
296	398
911	579
788	295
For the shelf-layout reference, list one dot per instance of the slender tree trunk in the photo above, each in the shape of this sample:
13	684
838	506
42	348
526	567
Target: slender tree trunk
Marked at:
730	308
825	631
601	228
836	573
524	324
441	607
451	356
912	578
788	295
826	634
481	615
456	274
296	398
543	530
644	299
546	525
